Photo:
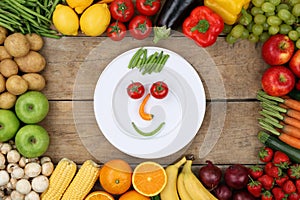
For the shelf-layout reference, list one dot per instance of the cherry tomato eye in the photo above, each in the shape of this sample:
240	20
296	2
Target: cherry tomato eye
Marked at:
135	90
159	90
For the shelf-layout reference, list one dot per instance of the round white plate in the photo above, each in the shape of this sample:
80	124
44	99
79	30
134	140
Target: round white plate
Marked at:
182	110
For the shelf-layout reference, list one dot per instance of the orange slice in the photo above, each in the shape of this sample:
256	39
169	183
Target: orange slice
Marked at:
149	178
99	195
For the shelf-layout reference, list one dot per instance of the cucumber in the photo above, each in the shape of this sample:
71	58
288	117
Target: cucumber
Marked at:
276	144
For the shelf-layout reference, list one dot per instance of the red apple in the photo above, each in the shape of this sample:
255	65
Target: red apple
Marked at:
294	63
278	81
278	49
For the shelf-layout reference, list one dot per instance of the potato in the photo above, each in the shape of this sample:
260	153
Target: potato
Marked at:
2	83
4	53
16	85
17	45
8	67
32	62
7	100
3	34
35	81
36	41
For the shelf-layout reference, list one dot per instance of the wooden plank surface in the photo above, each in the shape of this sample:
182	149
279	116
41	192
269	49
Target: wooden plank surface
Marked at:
231	79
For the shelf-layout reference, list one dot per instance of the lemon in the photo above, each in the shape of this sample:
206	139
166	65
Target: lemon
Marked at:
79	5
65	20
95	19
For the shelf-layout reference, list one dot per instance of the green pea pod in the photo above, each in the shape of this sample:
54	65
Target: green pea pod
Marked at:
148	133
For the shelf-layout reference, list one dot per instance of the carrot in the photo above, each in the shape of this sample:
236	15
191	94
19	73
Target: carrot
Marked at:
292	104
291	121
291	130
293	113
143	114
290	140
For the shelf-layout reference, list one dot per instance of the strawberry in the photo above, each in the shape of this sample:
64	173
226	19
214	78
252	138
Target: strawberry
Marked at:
266	195
294	171
297	183
265	154
281	179
294	196
278	193
254	187
273	170
266	181
256	171
281	160
288	187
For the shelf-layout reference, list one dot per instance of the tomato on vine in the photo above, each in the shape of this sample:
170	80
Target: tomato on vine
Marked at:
159	90
148	7
140	27
122	10
135	90
116	31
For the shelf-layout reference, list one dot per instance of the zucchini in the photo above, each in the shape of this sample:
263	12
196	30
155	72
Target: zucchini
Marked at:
276	144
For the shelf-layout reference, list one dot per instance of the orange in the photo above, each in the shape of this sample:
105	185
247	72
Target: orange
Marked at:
115	176
133	195
149	178
99	195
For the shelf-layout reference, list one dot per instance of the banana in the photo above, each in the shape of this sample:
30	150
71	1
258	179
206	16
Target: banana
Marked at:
193	185
170	190
184	195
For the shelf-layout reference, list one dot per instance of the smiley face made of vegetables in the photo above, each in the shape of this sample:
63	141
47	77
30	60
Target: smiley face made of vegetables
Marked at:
158	90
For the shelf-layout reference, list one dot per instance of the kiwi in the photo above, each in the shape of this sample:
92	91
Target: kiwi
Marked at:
35	81
2	83
8	67
16	85
7	100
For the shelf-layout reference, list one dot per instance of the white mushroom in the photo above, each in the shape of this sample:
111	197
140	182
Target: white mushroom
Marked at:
22	162
45	159
4	177
13	156
47	168
10	167
17	173
32	169
2	194
40	183
7	198
2	161
32	196
13	183
23	186
5	148
15	195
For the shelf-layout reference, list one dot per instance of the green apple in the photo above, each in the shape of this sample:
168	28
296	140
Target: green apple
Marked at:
9	125
32	107
32	140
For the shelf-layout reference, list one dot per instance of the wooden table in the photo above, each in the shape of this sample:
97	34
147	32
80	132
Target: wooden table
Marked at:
238	66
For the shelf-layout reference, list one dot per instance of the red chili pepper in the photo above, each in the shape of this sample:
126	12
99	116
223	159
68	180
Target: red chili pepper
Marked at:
203	26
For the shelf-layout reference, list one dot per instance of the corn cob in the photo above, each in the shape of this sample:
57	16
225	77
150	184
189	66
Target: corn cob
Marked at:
83	182
60	179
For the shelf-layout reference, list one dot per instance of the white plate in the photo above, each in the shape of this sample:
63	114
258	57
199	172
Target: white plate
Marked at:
182	110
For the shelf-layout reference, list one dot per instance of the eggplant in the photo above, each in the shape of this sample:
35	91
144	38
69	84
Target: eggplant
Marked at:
171	16
174	12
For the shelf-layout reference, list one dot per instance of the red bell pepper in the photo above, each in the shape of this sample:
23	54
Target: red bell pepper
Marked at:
203	26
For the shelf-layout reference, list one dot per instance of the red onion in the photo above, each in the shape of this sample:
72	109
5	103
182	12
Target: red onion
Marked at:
236	176
242	195
210	175
223	192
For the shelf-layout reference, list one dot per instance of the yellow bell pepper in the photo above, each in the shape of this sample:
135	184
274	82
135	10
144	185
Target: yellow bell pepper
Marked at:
229	10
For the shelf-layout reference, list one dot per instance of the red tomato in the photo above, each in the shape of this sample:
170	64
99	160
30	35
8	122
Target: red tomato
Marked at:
122	10
140	27
135	90
159	89
116	31
148	7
